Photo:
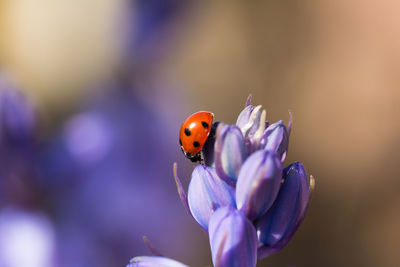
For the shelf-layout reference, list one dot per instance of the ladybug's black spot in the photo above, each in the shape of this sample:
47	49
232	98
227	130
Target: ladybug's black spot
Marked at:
205	124
180	141
187	132
196	144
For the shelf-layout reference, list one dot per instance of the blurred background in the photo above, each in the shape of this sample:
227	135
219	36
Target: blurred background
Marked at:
87	147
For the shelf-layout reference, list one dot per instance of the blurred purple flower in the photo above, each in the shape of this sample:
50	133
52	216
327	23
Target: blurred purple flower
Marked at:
154	261
149	28
98	171
101	168
88	137
233	239
17	117
20	182
26	239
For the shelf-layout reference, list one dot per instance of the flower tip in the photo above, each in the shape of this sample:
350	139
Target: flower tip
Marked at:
248	101
312	184
174	167
176	178
260	131
290	123
153	250
181	191
151	247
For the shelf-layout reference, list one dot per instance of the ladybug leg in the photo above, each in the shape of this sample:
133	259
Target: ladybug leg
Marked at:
196	158
193	157
201	158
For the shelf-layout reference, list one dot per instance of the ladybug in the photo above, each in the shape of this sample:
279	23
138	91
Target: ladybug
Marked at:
194	133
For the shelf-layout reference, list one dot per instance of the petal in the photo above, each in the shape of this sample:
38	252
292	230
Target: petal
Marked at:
207	192
258	183
249	120
181	192
230	152
249	99
233	239
208	148
276	138
278	225
244	116
153	261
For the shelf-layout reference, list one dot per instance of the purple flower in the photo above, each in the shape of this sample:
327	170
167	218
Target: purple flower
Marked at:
154	261
89	137
17	118
276	138
230	152
248	161
149	27
278	225
252	123
20	180
207	192
258	183
249	119
233	239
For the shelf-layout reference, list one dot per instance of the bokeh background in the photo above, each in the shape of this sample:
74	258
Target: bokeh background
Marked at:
108	82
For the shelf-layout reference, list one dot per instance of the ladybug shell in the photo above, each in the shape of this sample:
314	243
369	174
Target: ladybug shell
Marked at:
195	131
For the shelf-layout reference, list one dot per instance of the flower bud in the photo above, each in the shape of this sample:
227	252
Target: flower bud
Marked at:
154	261
233	239
276	138
207	192
230	152
258	183
249	120
280	222
209	146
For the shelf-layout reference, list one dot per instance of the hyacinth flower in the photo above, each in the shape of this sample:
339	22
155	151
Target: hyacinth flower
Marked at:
269	201
233	238
207	192
278	225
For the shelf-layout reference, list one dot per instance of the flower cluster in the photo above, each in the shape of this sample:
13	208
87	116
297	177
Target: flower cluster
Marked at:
243	197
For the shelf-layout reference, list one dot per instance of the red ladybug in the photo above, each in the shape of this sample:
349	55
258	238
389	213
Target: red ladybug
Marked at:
194	133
